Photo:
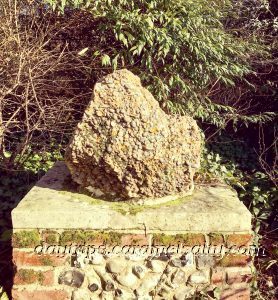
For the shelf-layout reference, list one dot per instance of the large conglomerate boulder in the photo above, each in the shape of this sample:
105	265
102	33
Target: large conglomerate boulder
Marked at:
127	147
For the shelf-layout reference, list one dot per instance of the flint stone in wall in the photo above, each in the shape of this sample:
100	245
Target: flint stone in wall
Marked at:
106	278
81	295
123	293
199	277
126	146
100	270
179	277
107	296
139	271
204	261
93	280
146	297
81	260
96	259
127	278
183	293
73	278
157	266
109	286
185	260
116	265
148	284
135	257
93	287
165	292
178	263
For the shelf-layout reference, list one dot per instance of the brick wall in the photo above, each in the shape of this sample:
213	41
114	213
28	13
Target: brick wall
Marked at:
168	275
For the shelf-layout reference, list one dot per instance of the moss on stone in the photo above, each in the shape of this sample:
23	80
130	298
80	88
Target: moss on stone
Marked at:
177	201
127	208
234	260
91	236
46	261
216	239
27	276
88	237
66	238
189	239
192	239
110	238
133	210
72	236
40	277
134	241
50	236
26	239
51	239
123	207
79	237
122	210
81	196
163	239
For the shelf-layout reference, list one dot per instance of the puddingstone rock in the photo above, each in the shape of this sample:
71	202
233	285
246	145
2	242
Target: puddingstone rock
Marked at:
157	266
127	147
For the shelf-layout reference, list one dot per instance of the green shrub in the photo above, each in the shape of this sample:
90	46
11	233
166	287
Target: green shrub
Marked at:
179	48
235	163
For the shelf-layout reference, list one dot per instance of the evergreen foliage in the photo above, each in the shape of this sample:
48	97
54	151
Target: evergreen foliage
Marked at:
179	48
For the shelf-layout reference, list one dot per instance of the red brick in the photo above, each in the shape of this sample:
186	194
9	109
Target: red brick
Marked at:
191	239
48	278
216	239
188	239
238	275
40	295
134	239
239	240
236	294
218	276
25	276
29	276
22	258
234	260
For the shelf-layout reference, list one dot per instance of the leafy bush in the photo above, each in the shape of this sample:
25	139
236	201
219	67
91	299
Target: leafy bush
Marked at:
235	163
183	50
179	48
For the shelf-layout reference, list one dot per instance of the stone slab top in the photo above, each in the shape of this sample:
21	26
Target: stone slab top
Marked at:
53	204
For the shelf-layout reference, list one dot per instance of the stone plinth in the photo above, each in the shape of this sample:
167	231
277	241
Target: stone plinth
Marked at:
166	248
52	203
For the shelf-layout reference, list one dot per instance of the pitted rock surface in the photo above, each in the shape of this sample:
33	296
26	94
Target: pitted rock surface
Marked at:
127	147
